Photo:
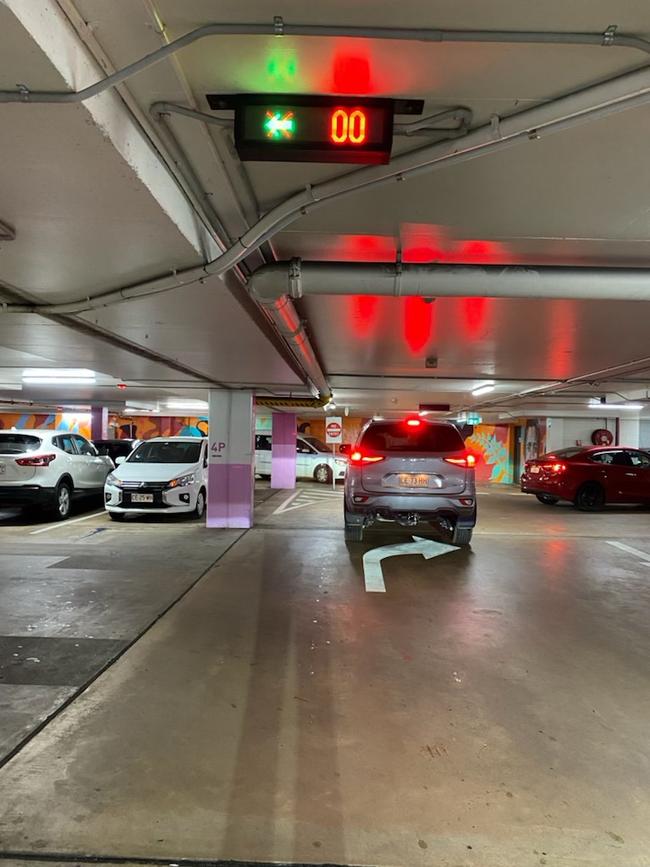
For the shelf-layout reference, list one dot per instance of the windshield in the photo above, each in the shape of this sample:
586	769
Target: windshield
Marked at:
166	452
563	453
398	437
18	444
317	444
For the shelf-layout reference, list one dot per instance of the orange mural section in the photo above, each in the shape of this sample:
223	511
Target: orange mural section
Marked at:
491	444
142	427
75	422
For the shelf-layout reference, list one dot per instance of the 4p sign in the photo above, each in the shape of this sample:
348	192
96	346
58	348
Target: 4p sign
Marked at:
334	430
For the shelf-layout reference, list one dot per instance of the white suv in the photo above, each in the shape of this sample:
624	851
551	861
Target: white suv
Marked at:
163	475
46	468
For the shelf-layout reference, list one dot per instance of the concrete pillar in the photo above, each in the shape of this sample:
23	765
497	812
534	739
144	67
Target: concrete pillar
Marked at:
231	478
283	454
98	423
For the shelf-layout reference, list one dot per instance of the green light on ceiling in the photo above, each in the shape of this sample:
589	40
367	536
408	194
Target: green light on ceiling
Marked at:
279	125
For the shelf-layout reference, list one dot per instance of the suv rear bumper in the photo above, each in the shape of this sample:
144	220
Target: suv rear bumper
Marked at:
26	495
391	508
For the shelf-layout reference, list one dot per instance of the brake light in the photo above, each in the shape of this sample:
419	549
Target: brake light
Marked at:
413	422
468	461
357	458
555	468
38	461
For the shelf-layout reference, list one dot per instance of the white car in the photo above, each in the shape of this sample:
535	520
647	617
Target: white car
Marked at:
314	459
163	475
47	468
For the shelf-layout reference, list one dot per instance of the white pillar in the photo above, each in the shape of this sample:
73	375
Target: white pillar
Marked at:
231	480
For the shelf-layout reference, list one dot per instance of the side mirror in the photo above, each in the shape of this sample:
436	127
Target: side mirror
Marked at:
119	460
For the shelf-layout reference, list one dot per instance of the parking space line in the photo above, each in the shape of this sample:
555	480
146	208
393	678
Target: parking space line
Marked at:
283	506
630	550
61	524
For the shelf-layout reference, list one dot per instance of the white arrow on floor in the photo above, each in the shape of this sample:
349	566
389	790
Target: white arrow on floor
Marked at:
372	571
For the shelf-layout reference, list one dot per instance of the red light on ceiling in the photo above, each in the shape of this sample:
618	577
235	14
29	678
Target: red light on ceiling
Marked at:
348	127
121	385
418	323
351	75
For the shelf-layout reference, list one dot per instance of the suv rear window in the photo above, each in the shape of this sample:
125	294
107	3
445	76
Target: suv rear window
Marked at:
398	437
18	444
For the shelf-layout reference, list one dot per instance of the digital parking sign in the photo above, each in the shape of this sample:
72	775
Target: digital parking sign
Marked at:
320	129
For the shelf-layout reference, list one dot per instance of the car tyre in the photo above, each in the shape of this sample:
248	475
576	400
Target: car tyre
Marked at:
323	474
199	508
590	497
547	499
62	501
353	529
462	536
116	516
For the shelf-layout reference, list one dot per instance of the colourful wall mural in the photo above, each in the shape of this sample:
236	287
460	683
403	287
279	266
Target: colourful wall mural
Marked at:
76	422
143	427
492	446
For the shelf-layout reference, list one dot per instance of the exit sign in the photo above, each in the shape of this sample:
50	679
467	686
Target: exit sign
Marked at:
324	129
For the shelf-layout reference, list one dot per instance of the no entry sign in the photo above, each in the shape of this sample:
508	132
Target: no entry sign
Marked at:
334	430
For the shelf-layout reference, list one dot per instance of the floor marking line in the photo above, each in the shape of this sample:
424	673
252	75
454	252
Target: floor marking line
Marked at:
630	550
372	571
282	506
62	524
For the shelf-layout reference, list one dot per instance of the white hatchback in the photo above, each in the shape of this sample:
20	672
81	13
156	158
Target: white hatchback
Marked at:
163	475
47	468
314	459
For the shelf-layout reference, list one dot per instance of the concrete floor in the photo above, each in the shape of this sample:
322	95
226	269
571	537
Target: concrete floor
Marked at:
490	709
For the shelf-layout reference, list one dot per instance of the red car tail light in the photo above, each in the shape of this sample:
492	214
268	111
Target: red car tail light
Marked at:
413	422
357	458
38	461
555	468
468	461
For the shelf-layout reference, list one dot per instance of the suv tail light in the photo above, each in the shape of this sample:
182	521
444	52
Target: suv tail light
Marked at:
357	458
38	461
468	461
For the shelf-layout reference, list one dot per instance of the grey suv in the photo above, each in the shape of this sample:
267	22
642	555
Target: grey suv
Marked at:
410	471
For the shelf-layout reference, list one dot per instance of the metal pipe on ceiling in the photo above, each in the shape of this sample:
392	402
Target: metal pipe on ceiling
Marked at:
296	278
628	91
610	37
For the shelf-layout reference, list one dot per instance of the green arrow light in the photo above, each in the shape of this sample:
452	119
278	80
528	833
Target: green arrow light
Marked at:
279	126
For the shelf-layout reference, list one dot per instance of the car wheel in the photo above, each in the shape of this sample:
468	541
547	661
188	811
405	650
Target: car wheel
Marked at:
461	537
199	509
353	529
323	474
590	497
547	499
116	516
62	501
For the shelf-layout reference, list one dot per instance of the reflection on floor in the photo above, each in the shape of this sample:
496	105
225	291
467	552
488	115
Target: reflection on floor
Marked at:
489	709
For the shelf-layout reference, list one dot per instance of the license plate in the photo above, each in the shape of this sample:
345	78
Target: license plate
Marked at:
3	469
413	480
534	469
142	498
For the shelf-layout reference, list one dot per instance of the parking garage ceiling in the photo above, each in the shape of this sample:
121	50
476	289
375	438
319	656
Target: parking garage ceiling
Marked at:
99	200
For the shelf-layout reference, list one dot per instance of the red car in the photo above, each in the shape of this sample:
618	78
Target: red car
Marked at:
589	477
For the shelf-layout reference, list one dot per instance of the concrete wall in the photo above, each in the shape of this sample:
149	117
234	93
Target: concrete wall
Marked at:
561	433
644	433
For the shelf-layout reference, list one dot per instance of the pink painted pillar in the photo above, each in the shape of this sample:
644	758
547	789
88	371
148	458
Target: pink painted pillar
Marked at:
231	478
98	423
283	453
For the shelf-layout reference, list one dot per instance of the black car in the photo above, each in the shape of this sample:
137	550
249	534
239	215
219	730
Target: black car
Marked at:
114	448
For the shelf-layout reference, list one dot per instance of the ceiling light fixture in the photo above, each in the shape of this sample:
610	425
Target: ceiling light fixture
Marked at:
486	388
186	404
58	376
605	406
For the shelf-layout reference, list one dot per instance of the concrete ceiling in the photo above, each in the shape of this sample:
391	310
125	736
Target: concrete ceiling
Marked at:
95	208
